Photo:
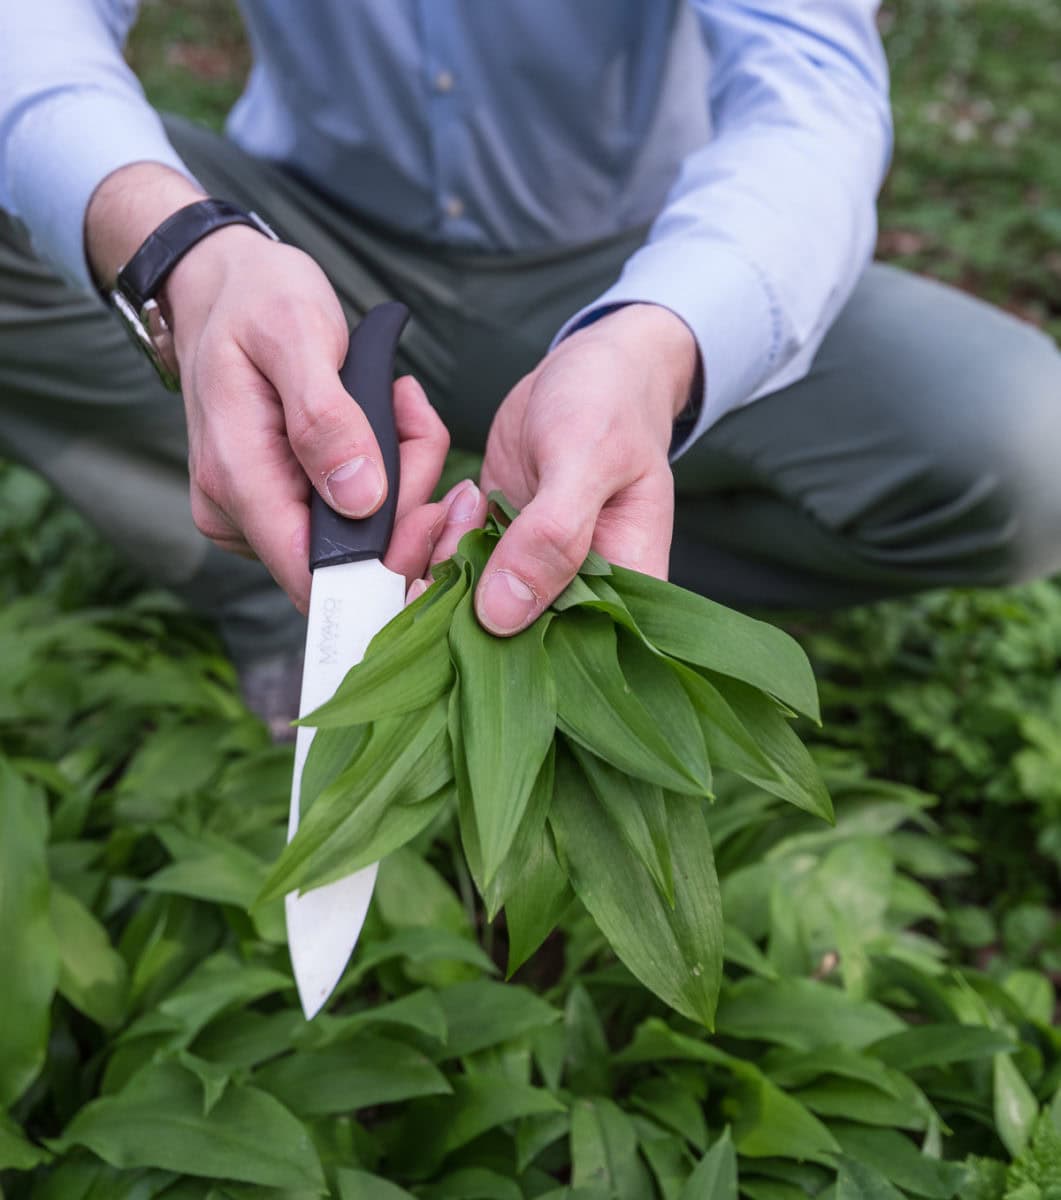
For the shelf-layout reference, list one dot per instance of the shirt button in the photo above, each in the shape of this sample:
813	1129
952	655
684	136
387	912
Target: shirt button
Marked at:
454	207
444	81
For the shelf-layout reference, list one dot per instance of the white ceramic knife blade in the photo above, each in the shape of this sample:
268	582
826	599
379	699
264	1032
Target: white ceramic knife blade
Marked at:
353	596
348	605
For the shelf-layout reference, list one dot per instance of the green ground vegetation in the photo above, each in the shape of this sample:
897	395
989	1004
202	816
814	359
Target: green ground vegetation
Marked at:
887	1024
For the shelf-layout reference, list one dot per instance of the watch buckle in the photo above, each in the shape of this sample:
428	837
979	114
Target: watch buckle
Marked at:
149	331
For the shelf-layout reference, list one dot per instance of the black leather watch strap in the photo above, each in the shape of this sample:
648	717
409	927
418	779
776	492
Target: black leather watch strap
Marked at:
142	276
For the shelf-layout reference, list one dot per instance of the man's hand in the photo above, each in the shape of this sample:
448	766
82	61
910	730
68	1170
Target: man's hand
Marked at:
581	445
260	336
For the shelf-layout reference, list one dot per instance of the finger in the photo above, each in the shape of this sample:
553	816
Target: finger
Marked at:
413	541
466	509
540	552
330	436
635	527
416	590
250	476
423	442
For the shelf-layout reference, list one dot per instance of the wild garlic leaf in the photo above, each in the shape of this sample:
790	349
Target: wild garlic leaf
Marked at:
797	779
699	631
659	689
397	825
400	673
349	807
637	811
469	830
537	901
596	707
384	824
507	721
330	753
528	835
360	1071
715	1177
676	953
31	954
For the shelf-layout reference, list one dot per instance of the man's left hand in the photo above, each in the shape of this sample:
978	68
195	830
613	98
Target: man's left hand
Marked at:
580	445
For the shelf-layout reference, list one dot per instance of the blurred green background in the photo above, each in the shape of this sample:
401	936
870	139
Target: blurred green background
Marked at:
974	195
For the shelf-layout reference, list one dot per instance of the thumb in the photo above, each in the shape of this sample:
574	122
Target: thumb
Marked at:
330	436
538	556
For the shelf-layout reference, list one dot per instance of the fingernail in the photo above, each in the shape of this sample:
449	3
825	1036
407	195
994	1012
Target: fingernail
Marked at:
356	487
464	503
416	590
507	603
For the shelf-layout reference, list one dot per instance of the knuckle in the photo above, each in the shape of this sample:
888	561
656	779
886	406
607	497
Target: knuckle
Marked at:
557	541
207	520
313	424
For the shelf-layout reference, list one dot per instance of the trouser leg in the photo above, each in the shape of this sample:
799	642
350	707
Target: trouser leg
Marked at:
920	451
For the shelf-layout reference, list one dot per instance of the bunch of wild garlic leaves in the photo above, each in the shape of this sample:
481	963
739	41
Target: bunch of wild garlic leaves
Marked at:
578	755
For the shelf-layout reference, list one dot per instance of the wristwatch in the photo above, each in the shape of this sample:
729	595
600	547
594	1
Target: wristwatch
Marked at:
141	278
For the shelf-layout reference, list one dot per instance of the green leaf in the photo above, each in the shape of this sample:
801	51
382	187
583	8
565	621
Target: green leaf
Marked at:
1016	1108
398	824
420	1011
938	1045
92	975
715	1177
527	844
863	1102
803	1014
28	948
677	953
418	945
347	811
349	1075
406	665
585	1046
698	630
895	1156
596	707
795	777
767	1123
535	1134
17	1152
507	718
604	1151
672	1106
157	1121
219	983
639	814
482	1013
432	1129
539	899
360	1185
856	1181
246	1037
474	1183
209	868
654	681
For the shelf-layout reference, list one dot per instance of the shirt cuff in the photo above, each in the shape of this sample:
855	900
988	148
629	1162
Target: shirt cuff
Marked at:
726	302
62	149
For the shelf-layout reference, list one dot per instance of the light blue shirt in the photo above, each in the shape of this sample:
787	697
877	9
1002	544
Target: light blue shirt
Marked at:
753	136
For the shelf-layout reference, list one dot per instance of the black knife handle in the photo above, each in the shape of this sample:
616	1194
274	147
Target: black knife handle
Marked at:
368	375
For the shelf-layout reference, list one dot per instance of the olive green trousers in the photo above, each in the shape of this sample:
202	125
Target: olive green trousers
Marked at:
923	448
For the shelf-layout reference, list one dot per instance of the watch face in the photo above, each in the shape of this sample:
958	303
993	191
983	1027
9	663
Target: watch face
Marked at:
149	331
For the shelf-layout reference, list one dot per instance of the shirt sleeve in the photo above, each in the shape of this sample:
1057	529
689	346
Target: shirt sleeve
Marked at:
770	224
71	112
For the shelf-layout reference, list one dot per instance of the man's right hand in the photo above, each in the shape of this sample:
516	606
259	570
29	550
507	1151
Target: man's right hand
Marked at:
260	336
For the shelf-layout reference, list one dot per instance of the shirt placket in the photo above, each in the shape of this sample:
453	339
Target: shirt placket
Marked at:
442	63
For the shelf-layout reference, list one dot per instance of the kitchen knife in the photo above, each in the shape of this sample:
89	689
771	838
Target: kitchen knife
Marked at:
353	595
